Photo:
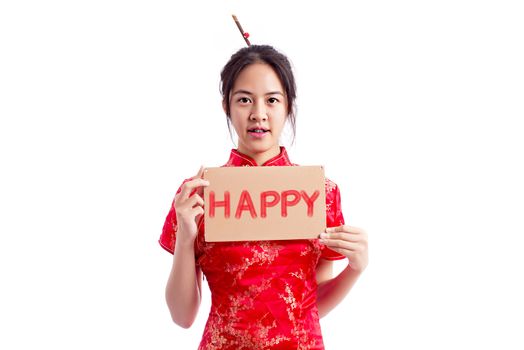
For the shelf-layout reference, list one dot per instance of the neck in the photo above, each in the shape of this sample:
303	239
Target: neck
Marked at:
261	157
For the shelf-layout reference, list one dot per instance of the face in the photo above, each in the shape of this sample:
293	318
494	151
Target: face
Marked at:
258	107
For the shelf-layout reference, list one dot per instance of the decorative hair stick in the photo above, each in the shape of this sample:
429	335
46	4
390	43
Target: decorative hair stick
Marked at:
244	35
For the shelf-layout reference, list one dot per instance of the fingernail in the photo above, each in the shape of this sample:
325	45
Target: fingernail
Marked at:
323	235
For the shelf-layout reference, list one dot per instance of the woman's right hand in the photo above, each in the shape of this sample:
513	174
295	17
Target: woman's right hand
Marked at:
189	206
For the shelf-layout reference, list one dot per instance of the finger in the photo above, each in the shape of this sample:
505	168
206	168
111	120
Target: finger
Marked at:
195	200
344	228
335	243
199	190
348	254
189	186
191	202
346	236
196	211
199	173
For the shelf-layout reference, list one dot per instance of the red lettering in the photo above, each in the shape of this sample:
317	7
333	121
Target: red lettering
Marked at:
268	199
264	204
245	203
309	201
213	204
290	203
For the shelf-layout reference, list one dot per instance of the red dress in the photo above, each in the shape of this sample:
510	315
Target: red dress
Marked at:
263	292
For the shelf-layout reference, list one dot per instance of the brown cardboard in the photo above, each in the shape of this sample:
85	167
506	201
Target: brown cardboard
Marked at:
300	182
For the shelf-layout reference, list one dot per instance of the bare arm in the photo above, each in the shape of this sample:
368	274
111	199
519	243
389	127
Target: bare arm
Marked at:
351	242
331	291
183	289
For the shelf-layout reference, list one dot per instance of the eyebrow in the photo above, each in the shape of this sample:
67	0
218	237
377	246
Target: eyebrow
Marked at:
250	93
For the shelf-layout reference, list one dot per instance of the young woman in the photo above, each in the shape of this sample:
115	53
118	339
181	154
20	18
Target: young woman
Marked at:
265	294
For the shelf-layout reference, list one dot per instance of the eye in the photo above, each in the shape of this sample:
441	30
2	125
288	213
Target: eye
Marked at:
243	100
272	100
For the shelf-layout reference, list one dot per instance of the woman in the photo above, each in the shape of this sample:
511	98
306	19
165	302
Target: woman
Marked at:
265	294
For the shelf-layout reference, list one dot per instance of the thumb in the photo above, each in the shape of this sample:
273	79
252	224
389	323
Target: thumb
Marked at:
199	174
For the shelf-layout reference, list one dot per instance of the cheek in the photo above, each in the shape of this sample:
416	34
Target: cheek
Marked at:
278	125
280	121
237	124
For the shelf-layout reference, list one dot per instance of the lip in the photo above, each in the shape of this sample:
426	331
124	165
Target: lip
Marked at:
258	135
258	127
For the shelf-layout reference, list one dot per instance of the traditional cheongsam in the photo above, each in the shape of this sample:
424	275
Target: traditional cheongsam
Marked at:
263	292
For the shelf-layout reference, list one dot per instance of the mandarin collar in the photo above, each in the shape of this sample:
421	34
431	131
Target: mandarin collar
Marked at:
237	158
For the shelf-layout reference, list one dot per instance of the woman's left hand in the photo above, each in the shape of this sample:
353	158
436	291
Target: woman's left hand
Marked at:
349	241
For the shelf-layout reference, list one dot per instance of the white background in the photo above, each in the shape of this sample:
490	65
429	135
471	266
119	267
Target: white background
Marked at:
414	108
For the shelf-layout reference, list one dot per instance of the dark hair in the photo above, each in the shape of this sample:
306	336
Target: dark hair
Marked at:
260	54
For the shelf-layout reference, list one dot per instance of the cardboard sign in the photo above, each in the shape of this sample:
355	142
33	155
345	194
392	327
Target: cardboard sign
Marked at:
264	203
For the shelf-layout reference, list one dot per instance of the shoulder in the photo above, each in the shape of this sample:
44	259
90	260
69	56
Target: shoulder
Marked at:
332	189
330	185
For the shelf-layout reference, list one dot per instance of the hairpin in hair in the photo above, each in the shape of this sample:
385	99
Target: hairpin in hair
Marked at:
244	35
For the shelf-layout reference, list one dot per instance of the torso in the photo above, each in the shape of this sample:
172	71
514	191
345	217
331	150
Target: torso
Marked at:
263	294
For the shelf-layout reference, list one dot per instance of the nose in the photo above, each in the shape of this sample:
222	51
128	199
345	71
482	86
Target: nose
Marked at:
258	112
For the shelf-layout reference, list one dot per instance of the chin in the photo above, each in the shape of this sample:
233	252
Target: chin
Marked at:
259	147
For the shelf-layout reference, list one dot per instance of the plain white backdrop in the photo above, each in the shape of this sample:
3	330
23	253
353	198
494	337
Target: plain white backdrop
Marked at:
414	107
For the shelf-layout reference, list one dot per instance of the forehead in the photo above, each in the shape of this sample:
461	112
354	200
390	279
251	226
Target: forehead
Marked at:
258	77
